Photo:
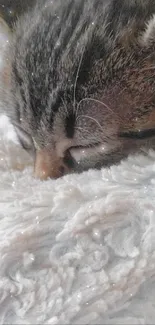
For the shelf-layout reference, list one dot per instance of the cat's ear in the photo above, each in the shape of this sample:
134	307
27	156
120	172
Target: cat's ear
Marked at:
5	64
148	36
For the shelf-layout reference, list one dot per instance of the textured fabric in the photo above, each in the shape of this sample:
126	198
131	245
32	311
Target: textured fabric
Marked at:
77	250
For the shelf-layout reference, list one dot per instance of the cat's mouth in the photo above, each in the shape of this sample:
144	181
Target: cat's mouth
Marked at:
48	164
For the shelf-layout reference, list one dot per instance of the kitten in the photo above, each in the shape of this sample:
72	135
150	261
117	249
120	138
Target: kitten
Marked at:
81	79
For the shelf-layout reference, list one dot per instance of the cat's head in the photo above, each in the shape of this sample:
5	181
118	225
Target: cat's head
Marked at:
74	86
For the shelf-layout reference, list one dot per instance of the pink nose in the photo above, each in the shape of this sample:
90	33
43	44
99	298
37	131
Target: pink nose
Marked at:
48	165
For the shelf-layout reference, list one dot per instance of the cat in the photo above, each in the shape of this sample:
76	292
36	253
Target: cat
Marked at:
79	82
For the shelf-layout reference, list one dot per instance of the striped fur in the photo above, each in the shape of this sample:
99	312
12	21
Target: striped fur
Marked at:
69	56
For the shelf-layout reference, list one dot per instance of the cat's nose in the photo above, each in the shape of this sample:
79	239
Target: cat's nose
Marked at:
48	165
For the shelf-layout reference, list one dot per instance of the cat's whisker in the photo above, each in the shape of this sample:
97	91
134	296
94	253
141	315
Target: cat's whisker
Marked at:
76	79
91	118
98	102
97	140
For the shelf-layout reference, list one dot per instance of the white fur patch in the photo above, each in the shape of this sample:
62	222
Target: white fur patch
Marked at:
82	153
149	33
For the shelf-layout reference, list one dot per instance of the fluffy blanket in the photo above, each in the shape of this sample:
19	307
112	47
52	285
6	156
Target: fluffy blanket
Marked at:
77	250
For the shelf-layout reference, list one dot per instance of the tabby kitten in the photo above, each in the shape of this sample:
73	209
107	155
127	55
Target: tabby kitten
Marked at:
80	82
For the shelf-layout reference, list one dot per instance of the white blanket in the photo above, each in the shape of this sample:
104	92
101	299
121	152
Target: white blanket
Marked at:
77	250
